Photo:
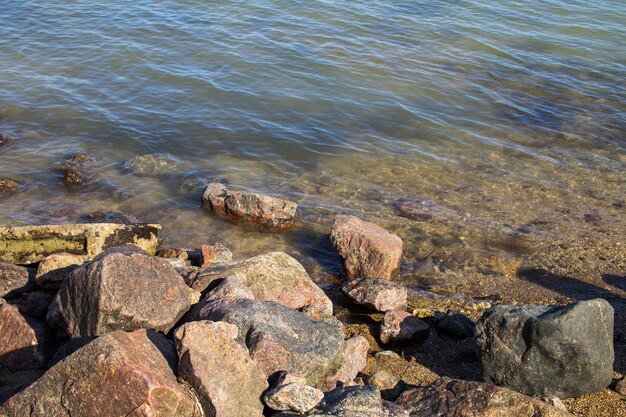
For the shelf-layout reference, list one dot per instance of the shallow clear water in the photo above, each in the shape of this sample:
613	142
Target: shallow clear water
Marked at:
506	117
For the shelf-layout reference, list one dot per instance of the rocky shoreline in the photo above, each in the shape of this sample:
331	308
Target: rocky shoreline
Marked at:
98	321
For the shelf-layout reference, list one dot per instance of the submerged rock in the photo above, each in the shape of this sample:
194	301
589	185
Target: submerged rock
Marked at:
376	294
120	291
274	276
23	340
15	279
77	169
8	185
280	338
3	140
367	250
105	216
119	374
257	210
452	397
152	165
220	370
29	244
548	350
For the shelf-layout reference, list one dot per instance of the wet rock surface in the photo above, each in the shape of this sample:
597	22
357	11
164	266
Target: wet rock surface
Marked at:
77	171
15	279
449	397
227	381
548	350
120	291
367	250
152	165
376	294
280	338
253	209
117	374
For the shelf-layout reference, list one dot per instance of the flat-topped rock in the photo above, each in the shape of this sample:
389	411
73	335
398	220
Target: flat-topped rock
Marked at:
367	250
119	374
256	210
29	244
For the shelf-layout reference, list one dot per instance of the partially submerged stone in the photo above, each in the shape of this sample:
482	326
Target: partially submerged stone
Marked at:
257	210
55	268
367	250
152	165
402	328
376	294
280	338
548	350
77	169
119	374
29	244
22	340
8	185
452	397
220	370
122	289
15	280
274	276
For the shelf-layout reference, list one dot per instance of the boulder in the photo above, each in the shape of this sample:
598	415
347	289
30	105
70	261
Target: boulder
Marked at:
548	350
77	169
15	280
119	374
367	250
53	269
354	360
257	210
230	287
452	397
376	294
456	324
274	276
120	290
29	244
24	340
35	304
293	396
215	254
280	338
220	370
8	185
402	328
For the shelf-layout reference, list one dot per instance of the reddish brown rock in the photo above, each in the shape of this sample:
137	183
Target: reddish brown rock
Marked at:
256	210
122	289
23	340
15	280
367	250
376	294
119	374
8	185
53	269
274	276
354	360
400	327
451	397
227	381
215	254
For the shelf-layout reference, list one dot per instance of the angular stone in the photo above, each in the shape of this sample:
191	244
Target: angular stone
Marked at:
120	291
23	341
29	244
216	254
15	280
456	324
376	294
293	396
77	169
367	250
256	210
152	165
119	374
8	185
230	287
389	385
400	327
36	304
548	350
220	370
452	397
55	268
274	276
354	360
280	338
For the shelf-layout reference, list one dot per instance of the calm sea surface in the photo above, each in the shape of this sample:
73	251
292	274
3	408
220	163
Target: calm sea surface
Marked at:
504	120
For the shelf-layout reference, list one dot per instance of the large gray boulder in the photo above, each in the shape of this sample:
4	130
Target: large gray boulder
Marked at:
280	338
548	350
273	276
122	289
257	210
119	374
220	370
452	397
367	250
